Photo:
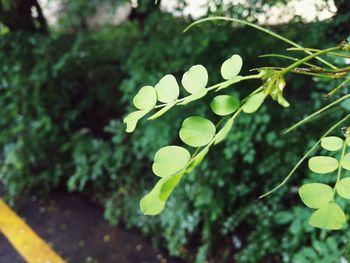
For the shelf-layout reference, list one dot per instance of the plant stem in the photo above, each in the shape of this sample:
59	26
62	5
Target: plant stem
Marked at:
307	58
258	28
336	89
316	50
315	113
287	57
304	157
224	83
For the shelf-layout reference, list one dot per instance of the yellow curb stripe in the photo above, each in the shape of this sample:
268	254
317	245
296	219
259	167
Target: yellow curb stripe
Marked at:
32	248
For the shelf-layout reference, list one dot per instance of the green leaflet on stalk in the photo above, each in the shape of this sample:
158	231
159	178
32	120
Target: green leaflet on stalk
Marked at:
231	67
169	160
323	164
343	188
330	216
195	79
223	105
132	118
167	89
332	143
315	195
146	98
254	102
197	131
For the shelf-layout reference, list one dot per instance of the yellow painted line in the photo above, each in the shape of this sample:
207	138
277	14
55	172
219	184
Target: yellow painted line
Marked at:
27	243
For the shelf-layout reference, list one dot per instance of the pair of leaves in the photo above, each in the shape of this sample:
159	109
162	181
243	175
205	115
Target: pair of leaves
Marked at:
169	163
167	91
154	202
328	215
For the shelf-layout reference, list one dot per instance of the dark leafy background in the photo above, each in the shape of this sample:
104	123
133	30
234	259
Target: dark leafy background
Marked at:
65	90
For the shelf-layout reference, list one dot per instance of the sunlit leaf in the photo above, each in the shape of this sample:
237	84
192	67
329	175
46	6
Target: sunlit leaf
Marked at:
347	141
315	195
167	89
146	98
345	162
195	79
224	105
197	131
332	143
222	133
231	67
170	160
253	103
131	119
323	164
198	159
169	185
151	204
343	188
330	216
154	202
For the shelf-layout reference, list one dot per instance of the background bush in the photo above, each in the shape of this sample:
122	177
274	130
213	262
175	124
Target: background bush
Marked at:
62	99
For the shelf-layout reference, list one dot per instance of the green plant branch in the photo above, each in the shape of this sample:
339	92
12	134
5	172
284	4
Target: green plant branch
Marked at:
304	157
224	83
316	50
258	28
289	58
314	114
336	89
307	58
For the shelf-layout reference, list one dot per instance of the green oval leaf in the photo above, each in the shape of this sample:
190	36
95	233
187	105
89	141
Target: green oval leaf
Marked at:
332	143
131	119
323	164
224	105
231	67
197	131
345	162
151	204
315	195
195	79
330	216
170	160
253	103
343	188
167	89
146	98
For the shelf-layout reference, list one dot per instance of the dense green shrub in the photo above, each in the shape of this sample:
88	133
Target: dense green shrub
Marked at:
62	101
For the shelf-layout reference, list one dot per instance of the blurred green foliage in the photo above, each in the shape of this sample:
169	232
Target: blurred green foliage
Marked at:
62	99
